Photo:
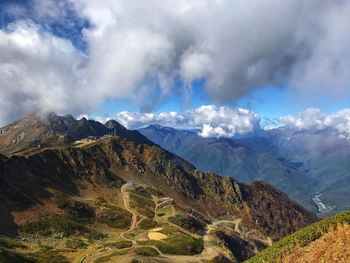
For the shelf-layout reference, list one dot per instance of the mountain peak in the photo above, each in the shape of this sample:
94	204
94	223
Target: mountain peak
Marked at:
112	124
83	119
156	126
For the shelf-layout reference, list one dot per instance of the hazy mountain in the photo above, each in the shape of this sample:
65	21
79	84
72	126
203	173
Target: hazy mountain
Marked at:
117	199
228	157
321	155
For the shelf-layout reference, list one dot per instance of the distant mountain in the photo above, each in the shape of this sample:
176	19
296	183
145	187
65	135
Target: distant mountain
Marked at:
322	156
229	157
118	199
53	130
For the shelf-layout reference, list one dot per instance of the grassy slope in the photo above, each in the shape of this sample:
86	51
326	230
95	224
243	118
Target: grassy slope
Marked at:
302	238
333	246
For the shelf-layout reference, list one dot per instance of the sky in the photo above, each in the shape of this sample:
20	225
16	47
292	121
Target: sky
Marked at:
224	67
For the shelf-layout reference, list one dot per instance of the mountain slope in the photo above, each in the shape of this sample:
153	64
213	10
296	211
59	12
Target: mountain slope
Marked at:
321	155
325	241
114	191
228	157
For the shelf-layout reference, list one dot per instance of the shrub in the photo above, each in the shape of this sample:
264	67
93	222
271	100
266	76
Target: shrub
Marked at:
75	209
118	244
76	243
189	223
100	201
146	251
115	217
10	243
147	223
177	243
12	257
62	200
47	255
80	211
142	205
50	224
108	257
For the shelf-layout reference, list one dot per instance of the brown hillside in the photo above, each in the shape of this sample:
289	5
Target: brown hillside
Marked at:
333	246
28	183
26	178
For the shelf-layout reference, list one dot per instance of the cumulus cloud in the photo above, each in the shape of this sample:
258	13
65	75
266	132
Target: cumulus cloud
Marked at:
224	121
210	120
36	70
313	119
142	50
135	120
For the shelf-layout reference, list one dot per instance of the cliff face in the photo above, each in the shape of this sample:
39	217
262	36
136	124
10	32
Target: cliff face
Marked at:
25	182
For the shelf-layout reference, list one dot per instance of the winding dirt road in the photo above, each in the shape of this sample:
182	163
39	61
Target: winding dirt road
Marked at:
210	250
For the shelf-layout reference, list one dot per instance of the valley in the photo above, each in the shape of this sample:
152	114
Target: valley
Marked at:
301	164
211	248
118	199
322	156
322	208
229	157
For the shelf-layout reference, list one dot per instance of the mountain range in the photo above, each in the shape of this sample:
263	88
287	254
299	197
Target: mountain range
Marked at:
322	156
232	158
311	167
52	130
119	196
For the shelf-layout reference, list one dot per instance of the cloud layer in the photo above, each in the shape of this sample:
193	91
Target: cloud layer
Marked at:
37	71
211	121
314	120
145	50
224	121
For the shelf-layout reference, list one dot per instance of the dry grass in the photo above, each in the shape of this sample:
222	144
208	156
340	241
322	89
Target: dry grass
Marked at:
333	246
156	236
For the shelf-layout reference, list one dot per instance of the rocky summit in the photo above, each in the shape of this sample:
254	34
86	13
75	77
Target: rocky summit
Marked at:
52	130
120	197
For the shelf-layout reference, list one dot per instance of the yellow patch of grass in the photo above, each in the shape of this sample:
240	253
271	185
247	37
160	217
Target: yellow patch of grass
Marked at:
333	246
156	236
156	229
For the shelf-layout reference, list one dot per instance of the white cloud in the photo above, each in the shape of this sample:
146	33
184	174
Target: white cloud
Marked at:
36	72
138	50
310	119
314	120
135	120
194	66
212	121
223	121
209	131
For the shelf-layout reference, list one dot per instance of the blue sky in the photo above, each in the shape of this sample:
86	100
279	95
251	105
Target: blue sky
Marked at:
269	102
103	57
